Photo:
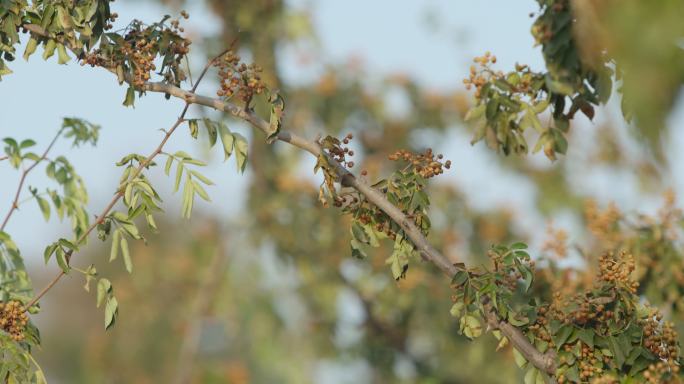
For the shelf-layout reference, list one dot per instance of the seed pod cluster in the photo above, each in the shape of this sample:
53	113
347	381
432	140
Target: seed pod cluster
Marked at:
236	78
617	270
662	373
133	55
340	151
13	319
425	164
112	18
660	337
482	73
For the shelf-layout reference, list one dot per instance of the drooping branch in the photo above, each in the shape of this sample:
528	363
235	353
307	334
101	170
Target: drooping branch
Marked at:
542	361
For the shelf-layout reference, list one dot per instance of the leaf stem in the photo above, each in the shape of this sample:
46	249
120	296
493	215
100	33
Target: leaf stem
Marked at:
22	179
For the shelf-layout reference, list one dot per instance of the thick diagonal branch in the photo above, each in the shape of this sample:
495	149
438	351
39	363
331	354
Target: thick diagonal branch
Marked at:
544	362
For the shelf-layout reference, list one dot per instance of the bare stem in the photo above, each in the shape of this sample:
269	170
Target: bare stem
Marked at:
119	194
540	360
22	179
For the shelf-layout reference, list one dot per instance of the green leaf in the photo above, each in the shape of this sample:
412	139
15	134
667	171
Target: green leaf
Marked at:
241	147
562	335
475	113
520	361
357	250
639	365
194	128
197	187
90	275
129	101
530	119
104	287
528	277
50	47
518	245
62	55
49	250
276	119
459	278
188	199
587	336
44	207
557	86
61	260
30	48
126	254
168	164
39	377
471	326
457	309
531	376
114	251
227	139
111	311
179	175
211	131
617	351
201	178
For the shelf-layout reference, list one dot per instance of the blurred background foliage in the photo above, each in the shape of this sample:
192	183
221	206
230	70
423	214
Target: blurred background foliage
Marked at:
273	296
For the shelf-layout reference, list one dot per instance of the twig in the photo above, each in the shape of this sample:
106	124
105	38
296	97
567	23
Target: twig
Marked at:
119	194
4	158
24	173
105	212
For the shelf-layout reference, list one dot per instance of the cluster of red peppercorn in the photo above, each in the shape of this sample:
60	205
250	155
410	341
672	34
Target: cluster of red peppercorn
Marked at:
112	18
142	59
588	362
340	151
540	326
481	76
482	73
175	24
13	319
510	275
617	270
662	373
138	50
243	80
660	337
382	223
425	164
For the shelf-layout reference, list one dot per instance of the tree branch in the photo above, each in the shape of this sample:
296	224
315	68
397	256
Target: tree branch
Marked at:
22	179
426	250
542	361
119	194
